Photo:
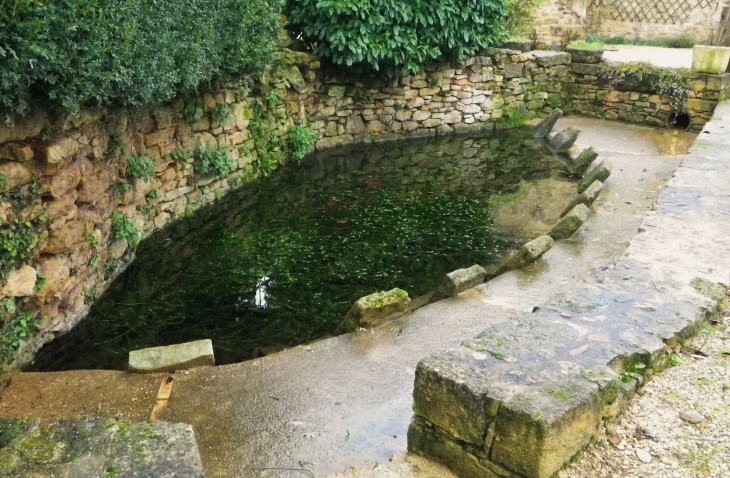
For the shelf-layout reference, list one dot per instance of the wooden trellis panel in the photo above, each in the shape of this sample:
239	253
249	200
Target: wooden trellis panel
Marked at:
651	11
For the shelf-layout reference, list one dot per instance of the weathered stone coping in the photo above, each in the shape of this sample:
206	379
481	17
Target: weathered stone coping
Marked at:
523	397
95	447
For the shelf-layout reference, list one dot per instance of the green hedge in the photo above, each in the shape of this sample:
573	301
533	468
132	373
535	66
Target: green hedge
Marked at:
73	53
397	35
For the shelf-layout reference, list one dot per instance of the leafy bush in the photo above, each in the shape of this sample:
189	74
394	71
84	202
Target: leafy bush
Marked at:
15	331
300	141
214	161
141	166
72	53
397	35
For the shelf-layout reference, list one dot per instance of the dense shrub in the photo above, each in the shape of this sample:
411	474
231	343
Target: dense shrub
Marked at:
397	35
72	53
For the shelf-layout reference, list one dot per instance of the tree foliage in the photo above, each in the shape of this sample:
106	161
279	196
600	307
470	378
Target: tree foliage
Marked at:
73	53
397	35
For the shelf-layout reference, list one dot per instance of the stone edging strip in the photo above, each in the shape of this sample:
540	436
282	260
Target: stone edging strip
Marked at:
525	396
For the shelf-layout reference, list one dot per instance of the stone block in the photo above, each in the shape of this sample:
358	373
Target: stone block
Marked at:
570	223
16	152
580	162
546	125
562	141
540	431
172	357
449	394
701	105
61	149
585	56
587	197
547	58
585	69
458	281
599	172
527	254
15	174
336	91
19	283
374	309
514	70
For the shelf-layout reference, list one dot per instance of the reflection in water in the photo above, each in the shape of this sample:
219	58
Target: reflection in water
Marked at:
279	262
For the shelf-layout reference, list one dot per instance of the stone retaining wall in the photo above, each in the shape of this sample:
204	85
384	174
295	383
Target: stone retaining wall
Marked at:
594	93
65	177
523	397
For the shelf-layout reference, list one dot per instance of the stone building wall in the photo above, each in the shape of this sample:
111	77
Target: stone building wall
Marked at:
65	179
558	21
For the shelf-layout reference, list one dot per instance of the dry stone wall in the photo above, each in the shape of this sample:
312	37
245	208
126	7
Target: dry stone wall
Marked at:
72	211
596	91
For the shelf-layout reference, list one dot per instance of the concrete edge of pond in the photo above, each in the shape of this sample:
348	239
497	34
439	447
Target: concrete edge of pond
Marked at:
523	397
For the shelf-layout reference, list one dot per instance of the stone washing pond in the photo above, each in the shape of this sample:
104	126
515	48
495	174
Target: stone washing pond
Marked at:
280	261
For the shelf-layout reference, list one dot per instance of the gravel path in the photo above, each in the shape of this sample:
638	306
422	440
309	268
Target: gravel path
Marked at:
651	440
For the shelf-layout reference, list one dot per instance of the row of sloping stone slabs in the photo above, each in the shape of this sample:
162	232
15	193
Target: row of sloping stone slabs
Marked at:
523	397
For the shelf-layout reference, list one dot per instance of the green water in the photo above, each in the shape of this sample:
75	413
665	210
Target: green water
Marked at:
308	240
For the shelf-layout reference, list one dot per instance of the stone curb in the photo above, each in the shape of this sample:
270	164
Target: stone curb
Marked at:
525	396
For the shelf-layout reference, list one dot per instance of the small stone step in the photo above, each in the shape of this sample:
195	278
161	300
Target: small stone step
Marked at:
374	309
587	197
570	223
172	357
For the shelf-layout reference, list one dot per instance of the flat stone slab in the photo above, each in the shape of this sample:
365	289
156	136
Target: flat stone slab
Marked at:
97	448
551	58
172	357
374	309
545	126
587	197
524	396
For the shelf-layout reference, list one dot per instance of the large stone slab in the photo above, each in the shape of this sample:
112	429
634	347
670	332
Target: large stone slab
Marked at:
562	141
545	126
527	254
599	172
458	281
579	162
538	387
587	197
172	357
374	309
570	222
97	448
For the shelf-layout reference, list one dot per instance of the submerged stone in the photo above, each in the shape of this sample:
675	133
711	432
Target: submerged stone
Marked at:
458	281
561	142
546	125
587	197
172	357
570	223
374	309
528	253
